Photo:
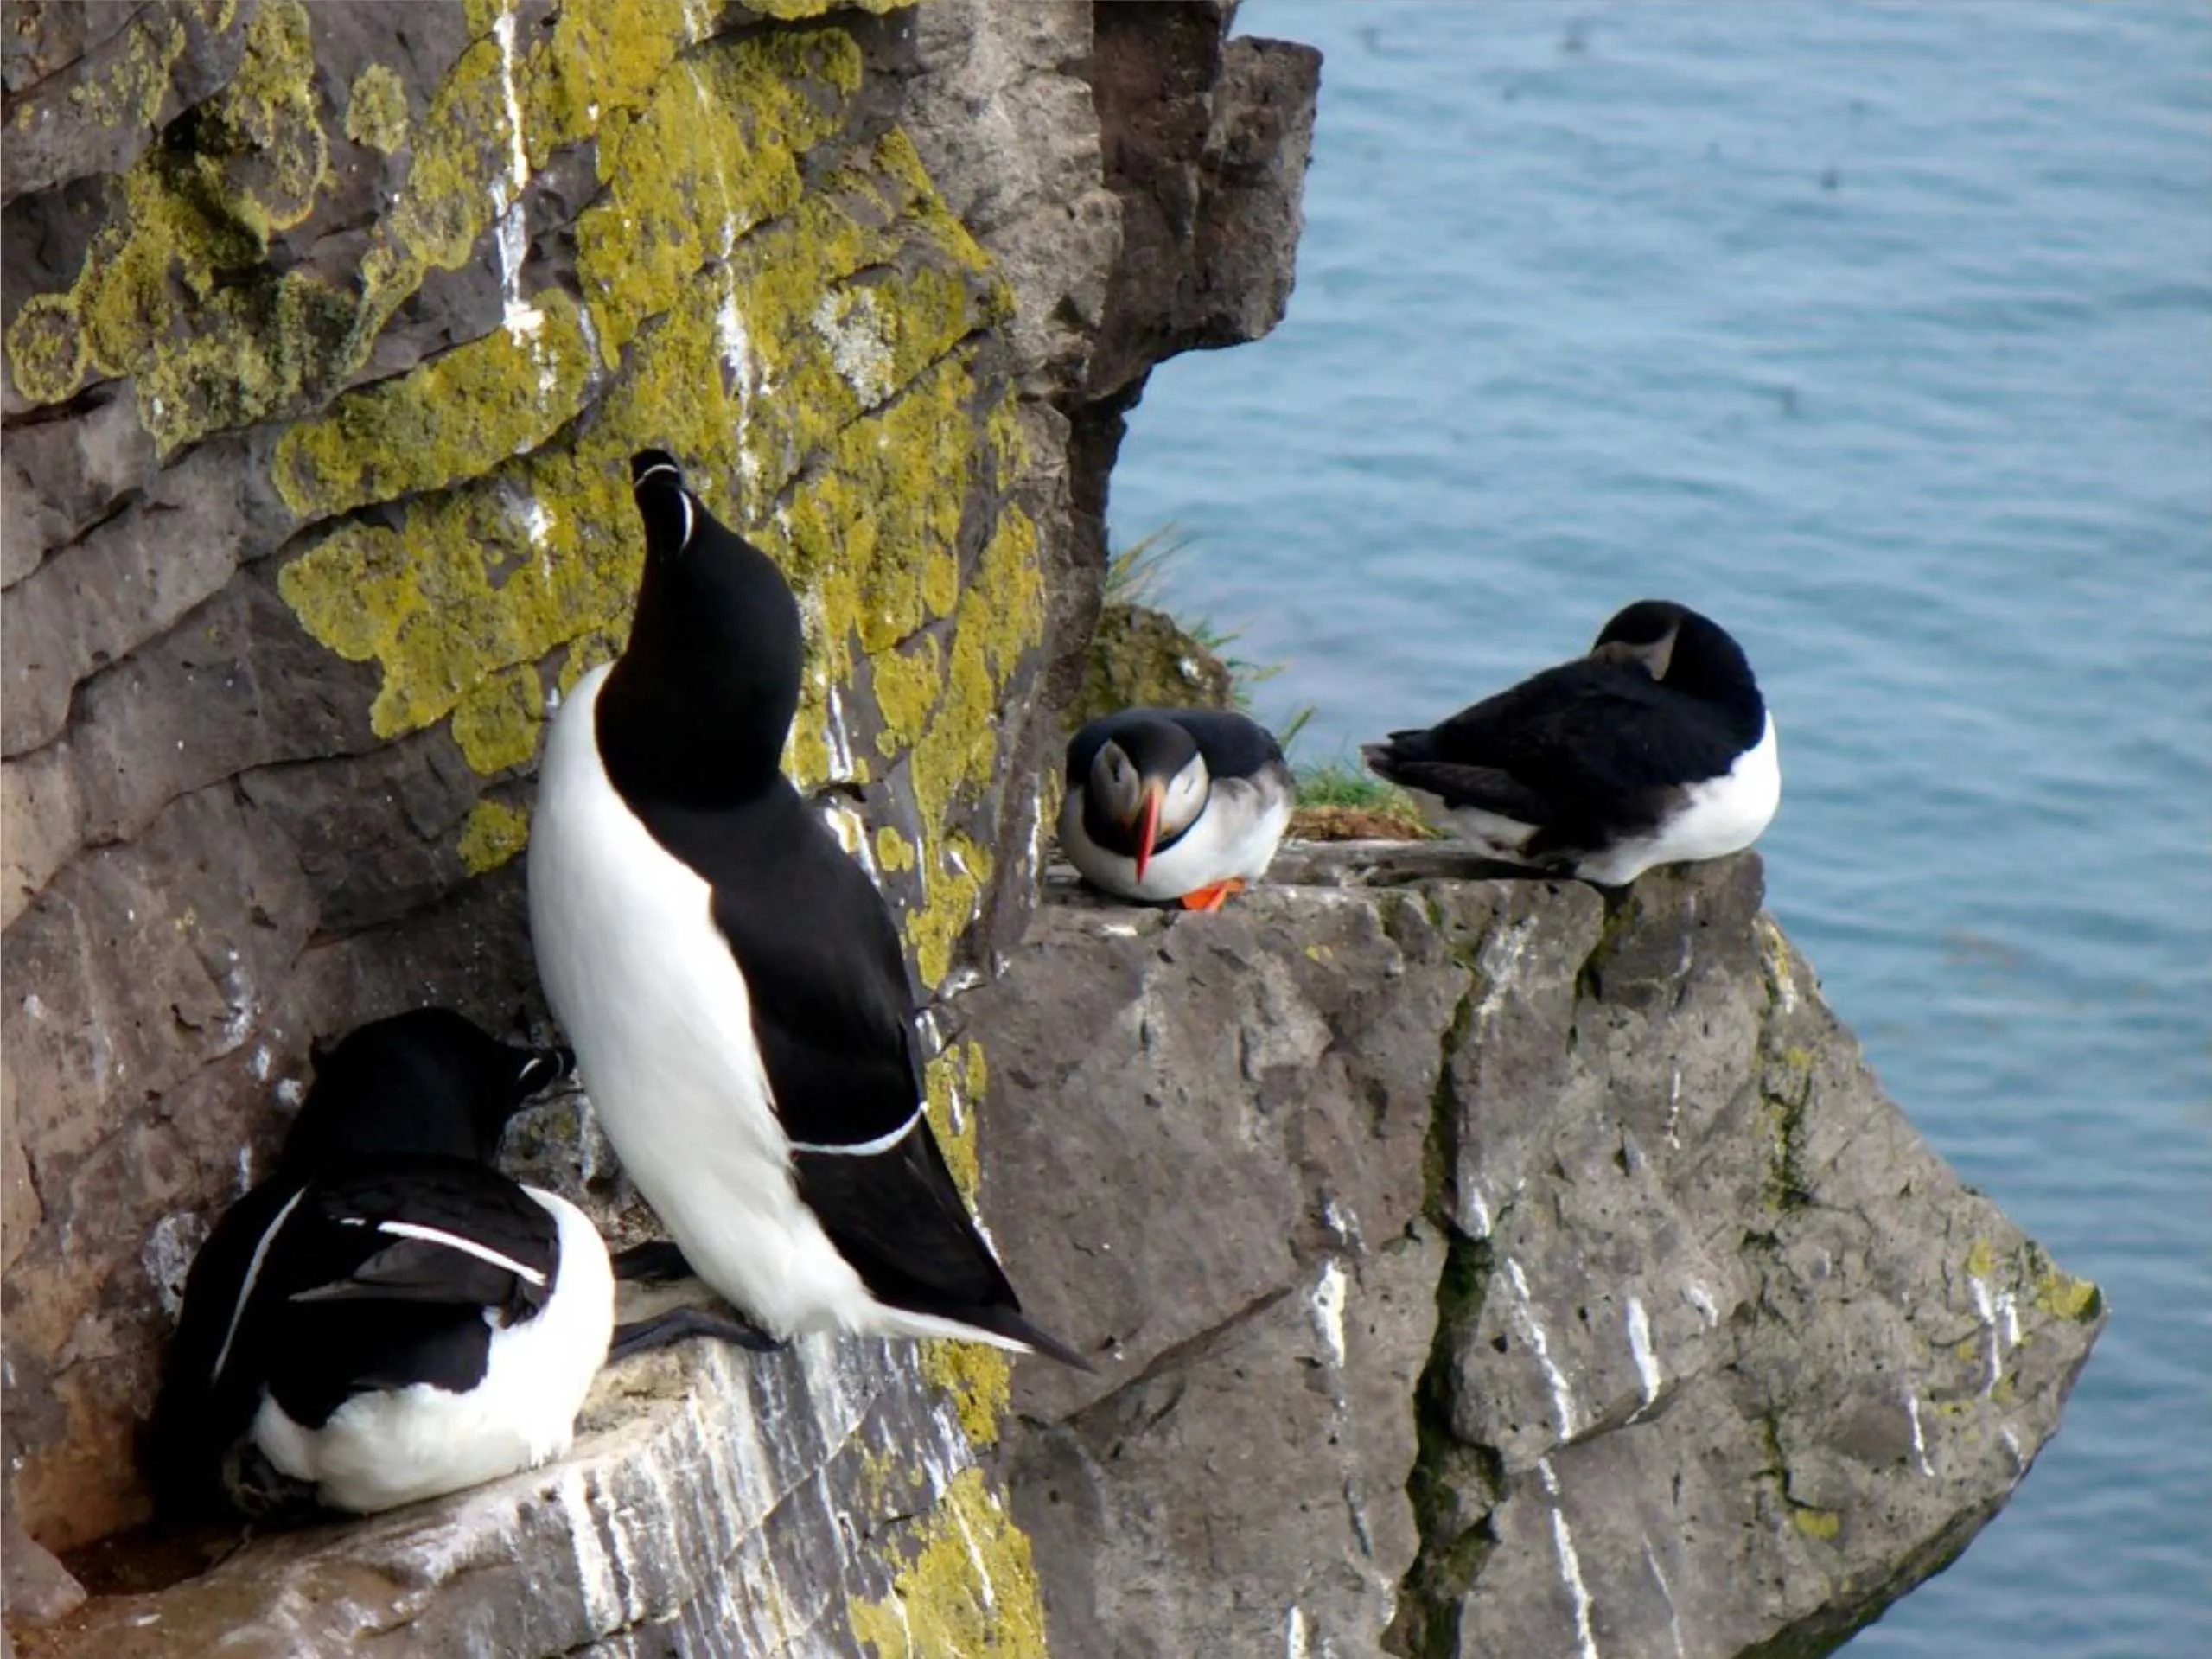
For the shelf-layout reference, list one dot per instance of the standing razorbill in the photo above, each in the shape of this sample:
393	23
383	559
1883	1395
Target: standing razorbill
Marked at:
387	1317
733	982
1174	804
1654	748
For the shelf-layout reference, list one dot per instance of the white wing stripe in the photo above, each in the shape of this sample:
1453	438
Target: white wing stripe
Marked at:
465	1245
252	1273
862	1148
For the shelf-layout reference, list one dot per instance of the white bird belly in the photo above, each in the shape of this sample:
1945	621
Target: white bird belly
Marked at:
650	993
1718	817
1492	834
398	1445
1235	836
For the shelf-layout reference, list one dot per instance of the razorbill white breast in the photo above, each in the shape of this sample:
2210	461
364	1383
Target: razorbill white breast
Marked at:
387	1317
1174	804
733	982
1656	747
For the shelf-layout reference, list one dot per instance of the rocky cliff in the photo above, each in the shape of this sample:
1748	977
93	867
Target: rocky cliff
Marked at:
328	332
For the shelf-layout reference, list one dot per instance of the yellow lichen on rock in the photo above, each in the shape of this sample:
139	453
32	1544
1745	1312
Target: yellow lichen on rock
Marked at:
793	10
136	79
714	155
211	355
1823	1524
2066	1296
970	1591
893	850
978	1378
376	110
494	833
496	722
454	417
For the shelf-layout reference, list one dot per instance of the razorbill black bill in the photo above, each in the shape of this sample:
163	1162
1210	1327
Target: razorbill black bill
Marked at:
1184	805
1656	747
386	1318
733	982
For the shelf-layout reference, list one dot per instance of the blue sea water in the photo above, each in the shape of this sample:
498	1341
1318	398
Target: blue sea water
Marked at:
1884	335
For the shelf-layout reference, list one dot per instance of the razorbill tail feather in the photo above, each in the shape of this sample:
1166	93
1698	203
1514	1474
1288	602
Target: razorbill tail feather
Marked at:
733	982
1183	805
1656	747
386	1318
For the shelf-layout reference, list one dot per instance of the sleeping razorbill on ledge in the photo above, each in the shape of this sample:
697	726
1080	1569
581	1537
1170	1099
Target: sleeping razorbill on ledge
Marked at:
1654	748
733	982
1182	805
386	1318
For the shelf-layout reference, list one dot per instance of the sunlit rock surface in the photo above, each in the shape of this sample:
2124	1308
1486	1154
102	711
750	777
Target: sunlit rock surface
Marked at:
328	330
1489	1268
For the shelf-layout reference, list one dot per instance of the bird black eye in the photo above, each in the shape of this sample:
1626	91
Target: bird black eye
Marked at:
542	1071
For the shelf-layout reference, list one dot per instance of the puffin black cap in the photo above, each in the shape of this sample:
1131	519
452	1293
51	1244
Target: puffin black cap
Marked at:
1680	648
1159	748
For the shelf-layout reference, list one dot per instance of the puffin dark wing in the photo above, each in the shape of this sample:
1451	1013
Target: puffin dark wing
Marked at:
1484	788
1583	724
1234	745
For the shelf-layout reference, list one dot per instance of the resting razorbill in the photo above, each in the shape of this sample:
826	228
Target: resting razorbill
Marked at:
387	1317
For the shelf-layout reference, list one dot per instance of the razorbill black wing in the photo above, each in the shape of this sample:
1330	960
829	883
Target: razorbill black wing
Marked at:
733	982
1655	748
1182	805
387	1318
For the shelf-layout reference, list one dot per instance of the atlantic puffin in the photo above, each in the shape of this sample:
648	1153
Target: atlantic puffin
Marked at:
386	1318
733	982
1175	805
1656	747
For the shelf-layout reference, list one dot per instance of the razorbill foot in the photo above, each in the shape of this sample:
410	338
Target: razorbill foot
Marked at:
1174	804
386	1318
1656	747
733	982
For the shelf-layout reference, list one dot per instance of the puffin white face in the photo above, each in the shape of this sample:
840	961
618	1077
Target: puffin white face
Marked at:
1149	808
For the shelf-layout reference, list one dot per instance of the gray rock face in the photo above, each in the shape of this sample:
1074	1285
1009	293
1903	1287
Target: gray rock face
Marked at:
1469	1268
1479	1269
328	331
715	1504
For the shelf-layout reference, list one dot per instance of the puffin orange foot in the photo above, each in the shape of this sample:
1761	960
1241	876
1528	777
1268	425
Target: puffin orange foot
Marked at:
1214	897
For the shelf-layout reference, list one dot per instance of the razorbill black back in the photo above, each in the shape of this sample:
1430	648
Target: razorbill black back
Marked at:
733	982
387	1317
1174	804
1656	747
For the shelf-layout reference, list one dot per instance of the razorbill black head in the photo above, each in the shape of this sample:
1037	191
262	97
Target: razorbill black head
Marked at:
1655	748
698	707
1174	804
430	1082
387	1318
734	984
